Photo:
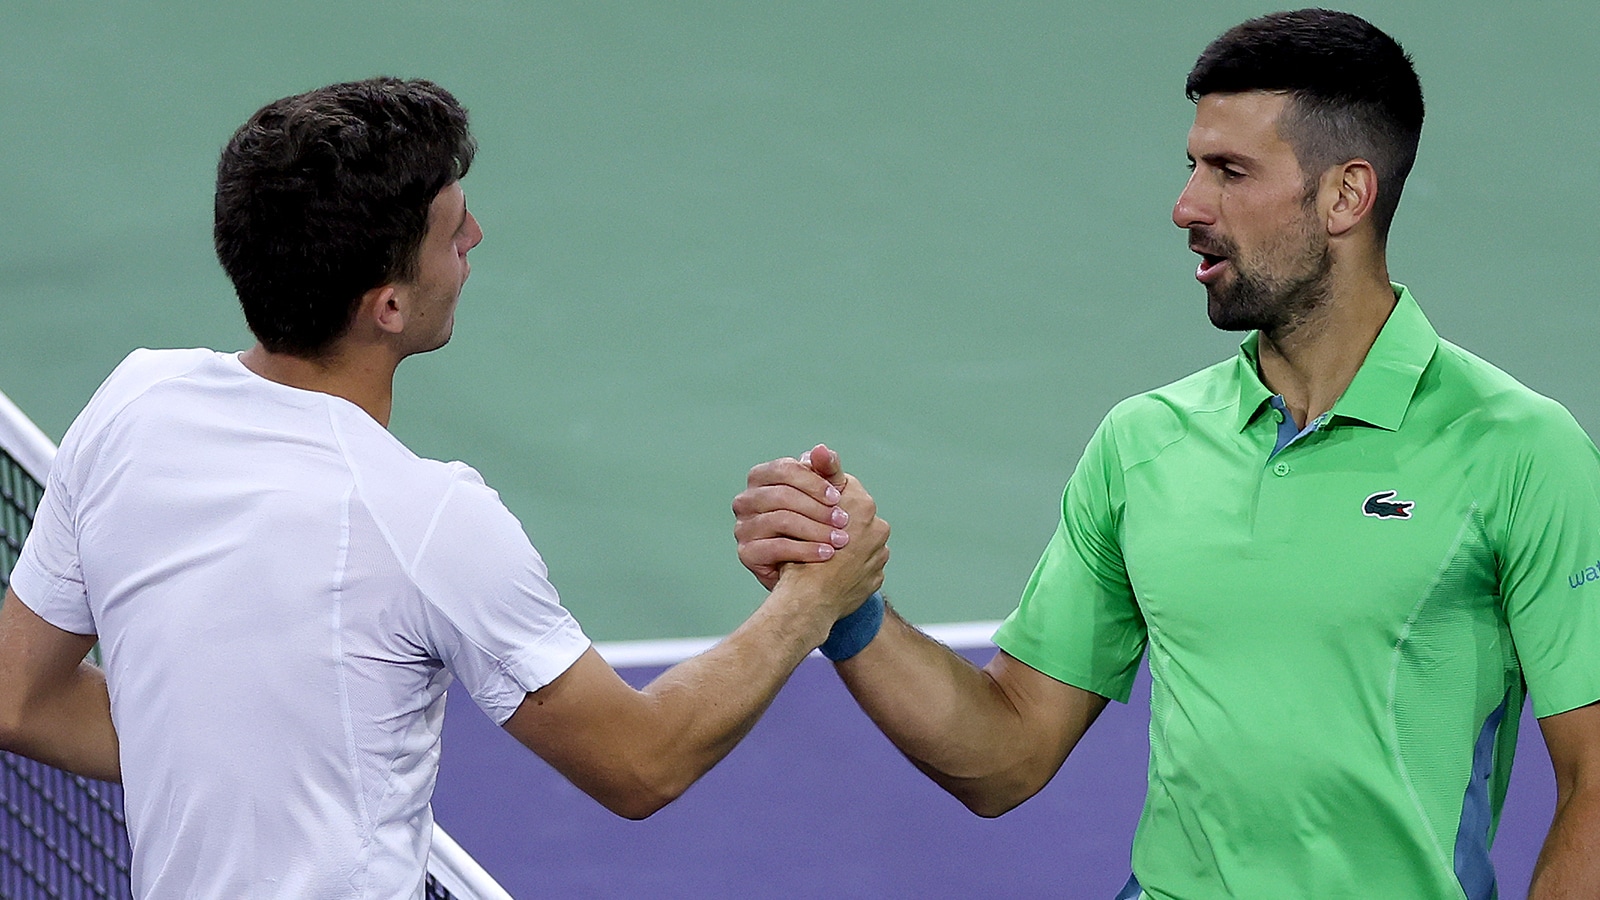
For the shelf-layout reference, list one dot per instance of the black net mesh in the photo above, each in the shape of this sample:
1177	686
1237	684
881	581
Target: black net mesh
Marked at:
19	497
62	837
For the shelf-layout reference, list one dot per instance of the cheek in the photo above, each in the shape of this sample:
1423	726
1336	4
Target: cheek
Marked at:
1269	228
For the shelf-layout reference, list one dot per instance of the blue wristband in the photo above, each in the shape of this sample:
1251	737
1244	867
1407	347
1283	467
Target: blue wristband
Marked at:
851	634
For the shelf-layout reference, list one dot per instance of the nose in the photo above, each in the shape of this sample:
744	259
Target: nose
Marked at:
474	232
1193	207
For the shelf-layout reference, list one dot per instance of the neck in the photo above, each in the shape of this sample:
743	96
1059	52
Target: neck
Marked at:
364	378
1311	365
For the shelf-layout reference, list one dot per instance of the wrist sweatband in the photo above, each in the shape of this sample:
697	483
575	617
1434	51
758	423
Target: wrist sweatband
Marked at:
851	634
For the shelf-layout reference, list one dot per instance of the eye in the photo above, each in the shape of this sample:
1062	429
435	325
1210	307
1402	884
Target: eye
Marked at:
1231	173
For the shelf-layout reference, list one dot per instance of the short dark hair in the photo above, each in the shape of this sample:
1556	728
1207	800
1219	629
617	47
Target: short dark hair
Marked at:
1355	93
323	196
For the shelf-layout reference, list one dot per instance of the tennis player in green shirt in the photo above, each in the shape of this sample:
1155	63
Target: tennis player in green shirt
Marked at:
1349	551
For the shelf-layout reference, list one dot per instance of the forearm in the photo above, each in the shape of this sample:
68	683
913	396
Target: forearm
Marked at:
635	751
67	726
701	708
53	705
953	720
1569	864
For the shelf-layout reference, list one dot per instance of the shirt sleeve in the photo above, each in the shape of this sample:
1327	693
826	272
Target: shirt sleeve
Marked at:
1550	564
493	616
48	577
1078	621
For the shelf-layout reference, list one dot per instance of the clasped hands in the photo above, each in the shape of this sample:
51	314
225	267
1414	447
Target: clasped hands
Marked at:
809	510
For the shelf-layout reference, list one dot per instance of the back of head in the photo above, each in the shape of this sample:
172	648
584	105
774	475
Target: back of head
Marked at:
323	196
1355	92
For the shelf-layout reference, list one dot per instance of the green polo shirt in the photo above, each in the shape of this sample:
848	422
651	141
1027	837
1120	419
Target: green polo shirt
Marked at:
1339	631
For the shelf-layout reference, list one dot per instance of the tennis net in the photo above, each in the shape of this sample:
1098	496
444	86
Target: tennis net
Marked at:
63	836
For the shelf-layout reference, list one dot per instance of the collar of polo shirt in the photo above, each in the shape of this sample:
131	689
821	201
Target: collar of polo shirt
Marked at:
1385	383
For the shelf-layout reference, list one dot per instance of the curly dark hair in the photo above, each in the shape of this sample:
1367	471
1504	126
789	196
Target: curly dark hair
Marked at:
323	196
1355	92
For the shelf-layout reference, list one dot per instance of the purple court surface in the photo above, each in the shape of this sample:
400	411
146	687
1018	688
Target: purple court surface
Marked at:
816	803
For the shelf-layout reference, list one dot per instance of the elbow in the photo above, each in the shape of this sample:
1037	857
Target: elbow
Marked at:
643	791
637	808
640	801
633	781
995	795
988	807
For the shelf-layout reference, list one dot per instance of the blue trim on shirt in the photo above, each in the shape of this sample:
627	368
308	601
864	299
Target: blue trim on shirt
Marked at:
1474	869
1131	890
1288	431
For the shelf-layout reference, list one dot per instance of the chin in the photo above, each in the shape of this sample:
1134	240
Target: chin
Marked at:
1222	320
1227	317
435	344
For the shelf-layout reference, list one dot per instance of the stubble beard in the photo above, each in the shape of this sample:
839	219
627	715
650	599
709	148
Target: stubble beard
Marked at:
1255	299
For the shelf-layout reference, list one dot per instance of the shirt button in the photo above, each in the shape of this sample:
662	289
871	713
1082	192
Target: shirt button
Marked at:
1281	469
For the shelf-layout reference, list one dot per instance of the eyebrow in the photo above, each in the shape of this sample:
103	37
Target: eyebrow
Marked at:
1222	159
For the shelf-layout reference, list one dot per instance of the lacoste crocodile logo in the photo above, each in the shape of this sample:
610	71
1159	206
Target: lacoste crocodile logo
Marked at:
1382	505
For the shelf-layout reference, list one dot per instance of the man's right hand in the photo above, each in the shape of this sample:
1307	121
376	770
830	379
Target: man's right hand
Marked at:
790	511
855	570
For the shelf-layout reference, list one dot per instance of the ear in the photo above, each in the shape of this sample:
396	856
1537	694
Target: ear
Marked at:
1354	189
381	307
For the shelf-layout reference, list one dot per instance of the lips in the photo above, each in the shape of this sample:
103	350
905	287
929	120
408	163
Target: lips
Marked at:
1211	265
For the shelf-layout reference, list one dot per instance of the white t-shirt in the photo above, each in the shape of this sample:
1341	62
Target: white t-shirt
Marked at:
282	592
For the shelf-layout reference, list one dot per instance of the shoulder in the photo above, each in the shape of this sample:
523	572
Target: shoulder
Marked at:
384	465
143	369
155	365
135	377
1498	409
1142	425
405	493
1213	388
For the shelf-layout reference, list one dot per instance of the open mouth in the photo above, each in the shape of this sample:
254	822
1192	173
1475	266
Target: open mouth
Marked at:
1211	266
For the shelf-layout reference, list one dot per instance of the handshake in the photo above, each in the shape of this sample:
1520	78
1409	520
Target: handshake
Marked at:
806	527
811	535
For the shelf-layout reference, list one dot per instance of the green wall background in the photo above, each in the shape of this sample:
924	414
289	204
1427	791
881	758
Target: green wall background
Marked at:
935	235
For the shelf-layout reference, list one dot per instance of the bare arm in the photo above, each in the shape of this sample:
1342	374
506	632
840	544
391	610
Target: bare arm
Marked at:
1569	864
53	705
636	751
993	736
